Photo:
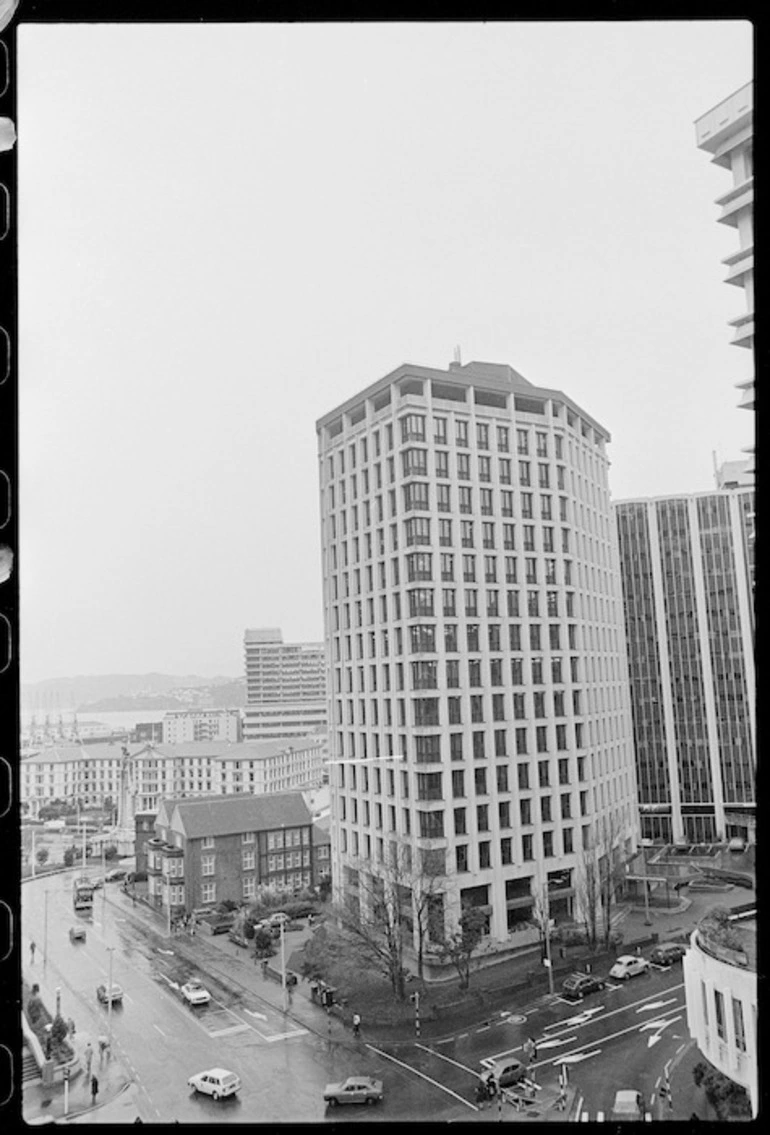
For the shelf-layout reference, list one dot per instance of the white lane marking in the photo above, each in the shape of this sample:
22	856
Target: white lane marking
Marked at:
160	1030
252	1013
483	1028
231	1030
462	1036
576	1057
284	1036
448	1059
128	998
422	1076
556	1043
656	1005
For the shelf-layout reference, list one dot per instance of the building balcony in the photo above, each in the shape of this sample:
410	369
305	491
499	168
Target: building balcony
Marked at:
739	200
744	330
740	265
730	116
747	400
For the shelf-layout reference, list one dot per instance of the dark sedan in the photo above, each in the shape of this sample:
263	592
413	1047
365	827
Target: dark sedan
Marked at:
577	985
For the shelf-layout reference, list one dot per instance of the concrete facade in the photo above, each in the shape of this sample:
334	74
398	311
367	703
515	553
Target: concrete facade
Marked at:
478	699
285	687
180	726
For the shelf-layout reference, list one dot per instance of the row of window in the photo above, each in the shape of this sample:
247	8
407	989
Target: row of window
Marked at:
358	846
349	811
365	780
423	640
413	427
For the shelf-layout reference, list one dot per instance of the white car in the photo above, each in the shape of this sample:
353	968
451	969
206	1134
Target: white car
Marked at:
278	918
629	965
195	994
216	1082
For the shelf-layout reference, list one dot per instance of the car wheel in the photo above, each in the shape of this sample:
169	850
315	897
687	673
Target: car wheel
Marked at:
215	1095
370	1100
332	1102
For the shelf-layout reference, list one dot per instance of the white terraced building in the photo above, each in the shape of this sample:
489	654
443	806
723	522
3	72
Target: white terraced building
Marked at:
479	711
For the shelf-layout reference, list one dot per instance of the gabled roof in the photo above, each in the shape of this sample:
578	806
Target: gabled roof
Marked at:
229	815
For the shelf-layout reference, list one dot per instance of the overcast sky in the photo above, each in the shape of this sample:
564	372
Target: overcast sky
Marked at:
227	230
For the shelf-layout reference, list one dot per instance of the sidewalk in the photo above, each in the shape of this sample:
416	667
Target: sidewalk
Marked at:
41	1103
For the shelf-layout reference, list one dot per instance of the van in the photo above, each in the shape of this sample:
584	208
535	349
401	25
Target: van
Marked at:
55	825
628	1106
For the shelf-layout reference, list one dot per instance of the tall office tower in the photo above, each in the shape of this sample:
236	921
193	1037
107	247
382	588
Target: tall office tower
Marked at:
687	585
479	713
727	132
285	686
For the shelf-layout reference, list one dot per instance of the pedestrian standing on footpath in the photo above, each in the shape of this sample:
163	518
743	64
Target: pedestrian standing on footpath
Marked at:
71	1026
32	953
89	1055
356	1025
481	1095
94	1089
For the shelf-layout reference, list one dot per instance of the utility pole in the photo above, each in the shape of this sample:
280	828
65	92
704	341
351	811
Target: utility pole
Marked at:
647	916
283	966
84	845
110	951
33	853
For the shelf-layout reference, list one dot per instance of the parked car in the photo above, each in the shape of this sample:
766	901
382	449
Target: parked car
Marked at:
507	1072
270	927
112	994
97	883
577	985
115	874
628	1106
629	965
238	937
215	1082
667	953
195	994
219	925
278	918
356	1089
77	933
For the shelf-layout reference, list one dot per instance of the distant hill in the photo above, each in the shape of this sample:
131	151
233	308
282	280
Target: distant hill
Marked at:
130	691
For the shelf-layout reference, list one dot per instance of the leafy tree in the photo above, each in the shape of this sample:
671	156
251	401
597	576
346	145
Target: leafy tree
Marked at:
70	855
324	887
264	947
459	946
320	955
42	856
729	1099
58	1030
111	851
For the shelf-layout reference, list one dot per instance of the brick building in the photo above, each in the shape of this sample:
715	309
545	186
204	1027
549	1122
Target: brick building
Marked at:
209	849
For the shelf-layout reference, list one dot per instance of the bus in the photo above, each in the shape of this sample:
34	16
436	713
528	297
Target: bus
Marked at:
82	895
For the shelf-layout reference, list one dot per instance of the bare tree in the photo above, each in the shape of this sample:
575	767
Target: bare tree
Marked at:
428	884
374	916
459	946
588	891
601	877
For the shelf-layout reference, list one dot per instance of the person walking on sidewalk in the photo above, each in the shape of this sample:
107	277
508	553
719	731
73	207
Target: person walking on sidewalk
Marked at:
89	1055
32	948
94	1089
356	1025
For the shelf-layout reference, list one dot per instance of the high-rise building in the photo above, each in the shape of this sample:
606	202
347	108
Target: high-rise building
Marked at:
285	686
727	132
479	713
181	725
687	572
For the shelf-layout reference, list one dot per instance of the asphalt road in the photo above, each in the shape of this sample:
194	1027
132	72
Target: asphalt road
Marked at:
161	1041
621	1037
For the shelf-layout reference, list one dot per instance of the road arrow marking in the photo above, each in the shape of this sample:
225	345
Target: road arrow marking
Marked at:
661	1024
173	984
656	1005
251	1013
556	1043
169	952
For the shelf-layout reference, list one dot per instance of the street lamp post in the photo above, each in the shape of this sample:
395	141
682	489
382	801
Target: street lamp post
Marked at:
58	1001
547	934
84	845
45	934
33	853
647	917
110	951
